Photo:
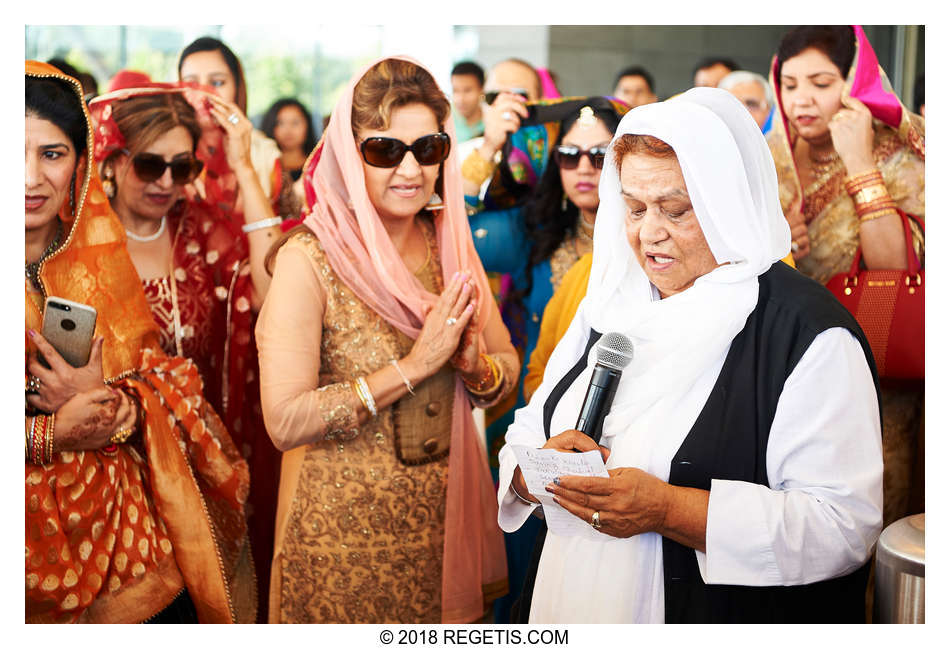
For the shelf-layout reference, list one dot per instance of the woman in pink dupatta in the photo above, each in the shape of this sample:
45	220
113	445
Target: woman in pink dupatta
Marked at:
839	121
377	338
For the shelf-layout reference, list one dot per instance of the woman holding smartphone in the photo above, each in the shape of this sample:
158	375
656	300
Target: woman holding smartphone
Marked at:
113	533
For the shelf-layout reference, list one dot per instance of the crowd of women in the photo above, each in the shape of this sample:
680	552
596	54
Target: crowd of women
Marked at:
276	418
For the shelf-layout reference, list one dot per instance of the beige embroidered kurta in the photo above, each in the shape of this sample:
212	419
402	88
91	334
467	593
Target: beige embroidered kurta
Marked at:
360	518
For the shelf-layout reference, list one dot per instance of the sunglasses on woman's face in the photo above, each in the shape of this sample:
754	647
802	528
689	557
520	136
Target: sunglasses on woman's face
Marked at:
149	167
492	95
388	152
568	157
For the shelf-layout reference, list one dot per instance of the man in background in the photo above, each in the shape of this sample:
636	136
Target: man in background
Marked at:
634	85
515	76
710	71
468	81
754	92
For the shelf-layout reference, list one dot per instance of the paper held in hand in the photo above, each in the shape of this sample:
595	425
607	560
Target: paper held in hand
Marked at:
539	468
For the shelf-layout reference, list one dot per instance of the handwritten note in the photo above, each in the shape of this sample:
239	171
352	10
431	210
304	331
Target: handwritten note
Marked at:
539	468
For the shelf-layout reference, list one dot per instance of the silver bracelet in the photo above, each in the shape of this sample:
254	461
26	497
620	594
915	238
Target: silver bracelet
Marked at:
522	498
368	399
404	379
260	225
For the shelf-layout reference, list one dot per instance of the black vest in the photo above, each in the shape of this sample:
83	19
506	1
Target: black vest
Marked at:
728	441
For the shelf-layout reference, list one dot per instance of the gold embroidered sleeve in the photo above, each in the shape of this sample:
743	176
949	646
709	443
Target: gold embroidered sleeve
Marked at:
338	407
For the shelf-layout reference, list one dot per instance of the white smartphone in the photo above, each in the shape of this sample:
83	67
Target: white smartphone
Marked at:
69	327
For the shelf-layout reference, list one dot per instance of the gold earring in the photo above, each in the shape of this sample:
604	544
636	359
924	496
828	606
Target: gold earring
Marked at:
435	203
108	185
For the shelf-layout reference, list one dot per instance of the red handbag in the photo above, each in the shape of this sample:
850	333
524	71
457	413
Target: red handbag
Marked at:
889	306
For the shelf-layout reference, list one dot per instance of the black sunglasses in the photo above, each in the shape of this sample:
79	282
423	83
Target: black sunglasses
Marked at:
388	152
492	95
568	157
149	167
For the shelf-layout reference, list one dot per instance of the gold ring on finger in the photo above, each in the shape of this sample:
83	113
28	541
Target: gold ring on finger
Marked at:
595	521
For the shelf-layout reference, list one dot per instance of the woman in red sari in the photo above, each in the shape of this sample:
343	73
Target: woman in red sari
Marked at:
201	271
113	532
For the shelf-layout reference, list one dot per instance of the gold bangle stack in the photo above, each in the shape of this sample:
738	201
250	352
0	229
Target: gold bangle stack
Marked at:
490	379
477	169
40	442
361	387
870	196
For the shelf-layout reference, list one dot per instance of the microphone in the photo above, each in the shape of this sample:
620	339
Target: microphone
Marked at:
613	353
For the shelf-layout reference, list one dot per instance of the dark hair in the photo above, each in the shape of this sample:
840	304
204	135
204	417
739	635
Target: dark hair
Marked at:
209	44
918	94
547	225
835	41
56	101
90	87
64	67
710	61
635	71
269	122
470	68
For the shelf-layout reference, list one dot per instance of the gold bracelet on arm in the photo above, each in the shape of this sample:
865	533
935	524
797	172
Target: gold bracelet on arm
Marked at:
477	169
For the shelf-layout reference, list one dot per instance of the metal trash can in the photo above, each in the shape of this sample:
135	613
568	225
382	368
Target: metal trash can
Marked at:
899	573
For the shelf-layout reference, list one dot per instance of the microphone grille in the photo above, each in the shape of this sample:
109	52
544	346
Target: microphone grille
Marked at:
614	350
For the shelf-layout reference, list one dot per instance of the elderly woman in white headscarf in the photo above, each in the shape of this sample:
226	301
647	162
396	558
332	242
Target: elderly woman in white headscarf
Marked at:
744	440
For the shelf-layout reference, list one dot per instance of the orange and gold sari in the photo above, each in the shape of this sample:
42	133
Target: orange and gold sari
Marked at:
116	535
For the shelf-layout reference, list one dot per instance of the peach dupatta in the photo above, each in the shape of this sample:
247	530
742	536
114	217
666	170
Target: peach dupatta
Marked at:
360	251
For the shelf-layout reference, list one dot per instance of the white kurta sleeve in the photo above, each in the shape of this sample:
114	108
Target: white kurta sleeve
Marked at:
527	429
822	512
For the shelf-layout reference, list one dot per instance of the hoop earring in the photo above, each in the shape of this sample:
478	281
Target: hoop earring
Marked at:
108	185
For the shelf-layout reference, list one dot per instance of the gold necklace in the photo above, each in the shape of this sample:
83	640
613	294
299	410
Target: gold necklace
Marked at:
33	268
585	232
822	164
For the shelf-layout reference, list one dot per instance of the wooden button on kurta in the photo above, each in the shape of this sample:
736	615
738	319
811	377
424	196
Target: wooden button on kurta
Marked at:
430	445
433	408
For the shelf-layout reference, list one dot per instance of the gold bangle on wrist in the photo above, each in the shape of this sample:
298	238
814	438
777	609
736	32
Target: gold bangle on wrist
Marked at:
477	169
857	181
492	378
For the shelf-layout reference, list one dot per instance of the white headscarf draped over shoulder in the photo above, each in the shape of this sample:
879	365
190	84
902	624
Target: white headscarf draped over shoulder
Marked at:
680	342
732	185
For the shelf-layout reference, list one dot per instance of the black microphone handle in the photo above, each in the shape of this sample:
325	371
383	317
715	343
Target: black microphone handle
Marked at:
600	394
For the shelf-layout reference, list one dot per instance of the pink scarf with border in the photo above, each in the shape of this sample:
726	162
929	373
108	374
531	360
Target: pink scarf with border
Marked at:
360	251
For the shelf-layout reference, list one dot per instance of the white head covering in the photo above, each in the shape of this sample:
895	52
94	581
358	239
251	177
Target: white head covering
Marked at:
680	342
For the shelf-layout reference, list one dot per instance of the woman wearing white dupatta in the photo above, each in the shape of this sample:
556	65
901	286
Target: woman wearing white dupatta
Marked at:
744	442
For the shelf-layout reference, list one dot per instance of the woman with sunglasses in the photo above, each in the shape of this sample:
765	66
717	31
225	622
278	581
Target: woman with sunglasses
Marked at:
376	338
201	276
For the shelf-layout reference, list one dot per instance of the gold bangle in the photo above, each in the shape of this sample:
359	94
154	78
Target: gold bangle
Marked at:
495	378
853	183
870	193
50	426
477	169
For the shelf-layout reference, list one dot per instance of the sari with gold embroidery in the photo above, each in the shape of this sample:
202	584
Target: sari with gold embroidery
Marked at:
833	225
116	534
